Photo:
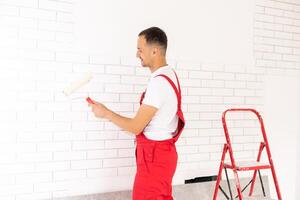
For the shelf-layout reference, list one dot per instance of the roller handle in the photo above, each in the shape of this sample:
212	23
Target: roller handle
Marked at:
89	100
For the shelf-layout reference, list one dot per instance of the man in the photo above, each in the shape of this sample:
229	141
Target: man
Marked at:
158	122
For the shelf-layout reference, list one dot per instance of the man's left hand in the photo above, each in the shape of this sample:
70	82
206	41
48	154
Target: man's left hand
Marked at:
99	109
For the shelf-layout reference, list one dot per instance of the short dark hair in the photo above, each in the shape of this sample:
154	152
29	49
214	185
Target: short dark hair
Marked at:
155	35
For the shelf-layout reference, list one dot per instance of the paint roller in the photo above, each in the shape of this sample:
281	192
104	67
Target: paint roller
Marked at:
74	86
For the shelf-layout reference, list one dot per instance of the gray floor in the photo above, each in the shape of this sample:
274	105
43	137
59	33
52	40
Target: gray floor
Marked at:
195	191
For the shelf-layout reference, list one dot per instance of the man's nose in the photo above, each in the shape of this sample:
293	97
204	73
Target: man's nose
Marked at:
137	54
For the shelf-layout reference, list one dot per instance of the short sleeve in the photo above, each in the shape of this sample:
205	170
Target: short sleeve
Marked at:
156	92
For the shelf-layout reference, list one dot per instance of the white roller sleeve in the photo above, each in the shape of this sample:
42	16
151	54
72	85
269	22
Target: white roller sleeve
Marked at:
77	84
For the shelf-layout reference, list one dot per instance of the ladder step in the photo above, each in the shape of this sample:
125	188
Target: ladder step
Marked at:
257	198
247	165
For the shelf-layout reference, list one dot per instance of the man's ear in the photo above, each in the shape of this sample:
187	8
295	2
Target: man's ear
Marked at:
155	51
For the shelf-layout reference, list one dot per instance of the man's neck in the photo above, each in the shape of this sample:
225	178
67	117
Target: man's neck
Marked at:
157	65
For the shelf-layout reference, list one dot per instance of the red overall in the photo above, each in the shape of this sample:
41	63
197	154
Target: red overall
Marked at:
157	160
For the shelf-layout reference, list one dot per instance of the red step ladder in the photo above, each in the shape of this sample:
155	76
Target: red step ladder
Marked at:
255	166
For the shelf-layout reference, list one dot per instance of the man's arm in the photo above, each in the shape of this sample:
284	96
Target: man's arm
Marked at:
134	125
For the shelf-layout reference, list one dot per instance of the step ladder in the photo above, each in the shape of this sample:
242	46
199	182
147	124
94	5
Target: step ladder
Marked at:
236	166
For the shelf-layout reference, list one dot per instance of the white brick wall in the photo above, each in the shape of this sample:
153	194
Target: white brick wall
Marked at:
48	140
276	31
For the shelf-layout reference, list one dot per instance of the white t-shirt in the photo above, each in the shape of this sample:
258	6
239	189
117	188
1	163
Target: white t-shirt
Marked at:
162	96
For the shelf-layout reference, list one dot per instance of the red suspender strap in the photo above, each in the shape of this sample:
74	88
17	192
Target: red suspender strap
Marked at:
179	89
178	92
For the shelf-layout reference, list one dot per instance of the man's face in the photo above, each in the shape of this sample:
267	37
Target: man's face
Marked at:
144	51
